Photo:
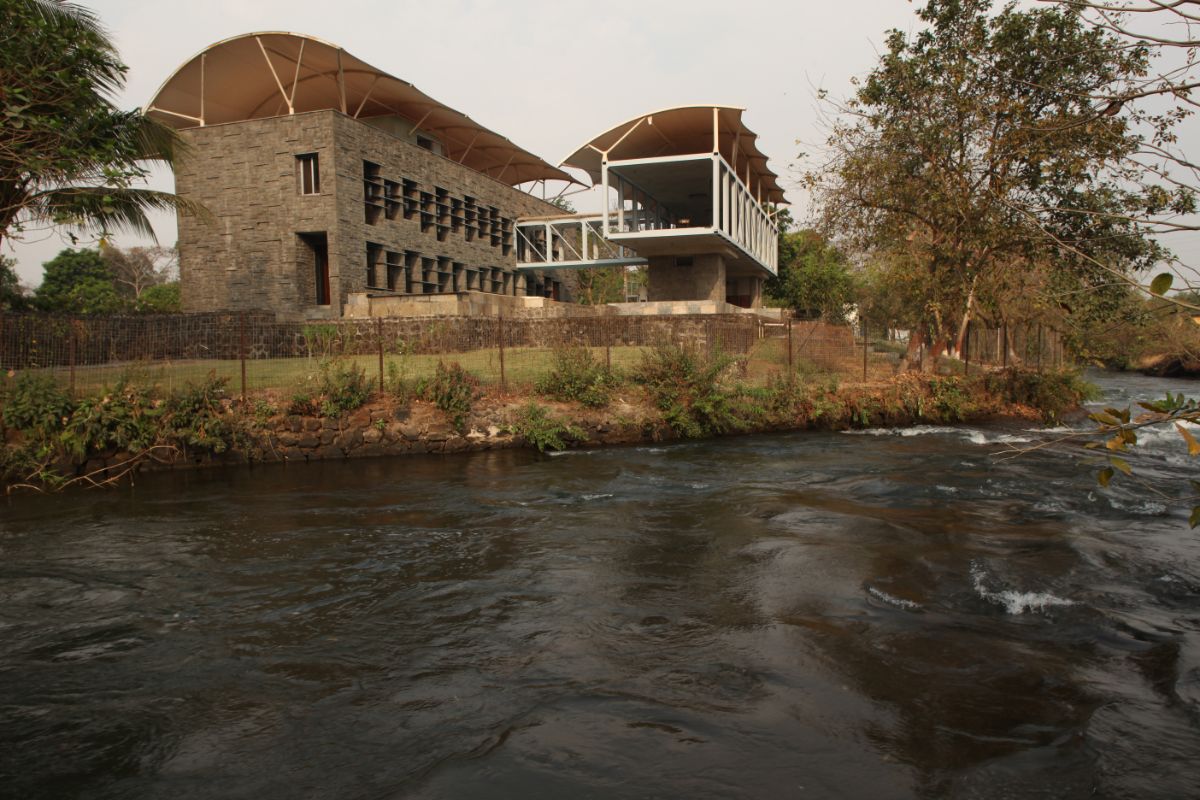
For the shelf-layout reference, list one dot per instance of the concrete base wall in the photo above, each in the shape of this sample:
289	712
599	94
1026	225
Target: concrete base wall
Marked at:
676	307
703	279
361	305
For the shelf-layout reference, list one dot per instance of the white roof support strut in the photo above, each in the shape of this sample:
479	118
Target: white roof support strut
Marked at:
275	75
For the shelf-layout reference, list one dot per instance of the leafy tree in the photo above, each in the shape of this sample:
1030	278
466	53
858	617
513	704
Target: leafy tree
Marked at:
1156	101
814	276
78	282
162	298
961	161
12	294
68	156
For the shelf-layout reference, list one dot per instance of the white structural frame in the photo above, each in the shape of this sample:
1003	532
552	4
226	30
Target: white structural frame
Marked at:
569	242
738	215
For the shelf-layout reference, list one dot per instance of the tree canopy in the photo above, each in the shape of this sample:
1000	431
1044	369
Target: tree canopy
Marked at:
68	155
88	281
12	294
814	276
963	157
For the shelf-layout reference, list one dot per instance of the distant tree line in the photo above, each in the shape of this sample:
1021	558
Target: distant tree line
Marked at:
86	281
992	166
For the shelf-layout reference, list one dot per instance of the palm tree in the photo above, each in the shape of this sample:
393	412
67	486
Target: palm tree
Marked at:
68	155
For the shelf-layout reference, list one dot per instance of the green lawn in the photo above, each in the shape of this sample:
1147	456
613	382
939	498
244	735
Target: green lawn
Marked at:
522	366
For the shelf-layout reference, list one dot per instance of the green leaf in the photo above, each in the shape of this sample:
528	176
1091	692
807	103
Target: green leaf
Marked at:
1105	476
1104	418
1161	283
1120	464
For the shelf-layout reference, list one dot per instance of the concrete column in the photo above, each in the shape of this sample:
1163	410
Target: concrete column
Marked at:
703	279
756	291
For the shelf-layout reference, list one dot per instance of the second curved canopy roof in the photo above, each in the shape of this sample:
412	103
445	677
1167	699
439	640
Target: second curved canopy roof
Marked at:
685	130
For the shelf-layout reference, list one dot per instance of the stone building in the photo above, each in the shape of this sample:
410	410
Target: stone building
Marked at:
325	178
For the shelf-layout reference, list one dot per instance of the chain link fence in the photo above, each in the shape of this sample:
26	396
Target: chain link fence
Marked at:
257	353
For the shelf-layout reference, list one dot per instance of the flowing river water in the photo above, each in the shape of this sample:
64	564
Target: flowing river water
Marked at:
881	614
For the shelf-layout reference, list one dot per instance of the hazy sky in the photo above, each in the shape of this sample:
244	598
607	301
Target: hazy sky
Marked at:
548	75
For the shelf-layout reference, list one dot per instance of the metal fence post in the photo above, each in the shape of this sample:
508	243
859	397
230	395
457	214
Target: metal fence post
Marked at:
789	335
500	339
379	336
71	350
1039	348
866	348
1004	345
966	354
242	350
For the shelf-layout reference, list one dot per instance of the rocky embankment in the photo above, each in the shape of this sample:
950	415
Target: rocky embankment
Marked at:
387	429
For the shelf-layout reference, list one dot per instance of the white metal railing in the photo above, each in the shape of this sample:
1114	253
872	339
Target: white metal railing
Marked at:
742	218
733	211
566	242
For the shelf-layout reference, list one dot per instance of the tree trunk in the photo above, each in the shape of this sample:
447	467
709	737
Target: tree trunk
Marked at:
915	341
936	349
960	340
1013	359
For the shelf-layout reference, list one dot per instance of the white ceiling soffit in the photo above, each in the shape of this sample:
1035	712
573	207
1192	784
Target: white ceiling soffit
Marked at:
686	130
275	73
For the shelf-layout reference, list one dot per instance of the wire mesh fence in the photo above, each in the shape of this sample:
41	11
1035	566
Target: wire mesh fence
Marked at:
256	353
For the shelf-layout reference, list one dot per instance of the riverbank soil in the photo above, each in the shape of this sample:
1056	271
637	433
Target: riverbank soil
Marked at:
107	439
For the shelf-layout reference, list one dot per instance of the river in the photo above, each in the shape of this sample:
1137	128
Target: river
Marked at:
890	614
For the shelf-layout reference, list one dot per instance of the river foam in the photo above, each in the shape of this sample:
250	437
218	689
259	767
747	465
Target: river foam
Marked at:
1013	601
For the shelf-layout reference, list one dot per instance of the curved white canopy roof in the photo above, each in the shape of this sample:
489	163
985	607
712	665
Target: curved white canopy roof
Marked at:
268	74
685	130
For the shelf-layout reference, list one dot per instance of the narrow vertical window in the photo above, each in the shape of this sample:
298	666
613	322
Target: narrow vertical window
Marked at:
309	170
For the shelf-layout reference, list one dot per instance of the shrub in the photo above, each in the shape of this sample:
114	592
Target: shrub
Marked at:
344	386
534	423
578	376
125	417
1051	393
950	398
198	418
304	405
686	388
34	403
453	390
319	339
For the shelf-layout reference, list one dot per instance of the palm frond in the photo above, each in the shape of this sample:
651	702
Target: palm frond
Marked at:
102	209
157	141
63	12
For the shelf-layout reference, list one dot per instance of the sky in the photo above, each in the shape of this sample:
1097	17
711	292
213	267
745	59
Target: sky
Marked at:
548	75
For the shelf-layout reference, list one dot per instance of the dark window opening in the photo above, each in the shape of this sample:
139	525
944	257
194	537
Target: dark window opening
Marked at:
308	171
316	248
374	257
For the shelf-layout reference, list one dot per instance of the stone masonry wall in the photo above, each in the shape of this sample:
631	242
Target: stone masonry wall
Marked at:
400	160
703	279
246	253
